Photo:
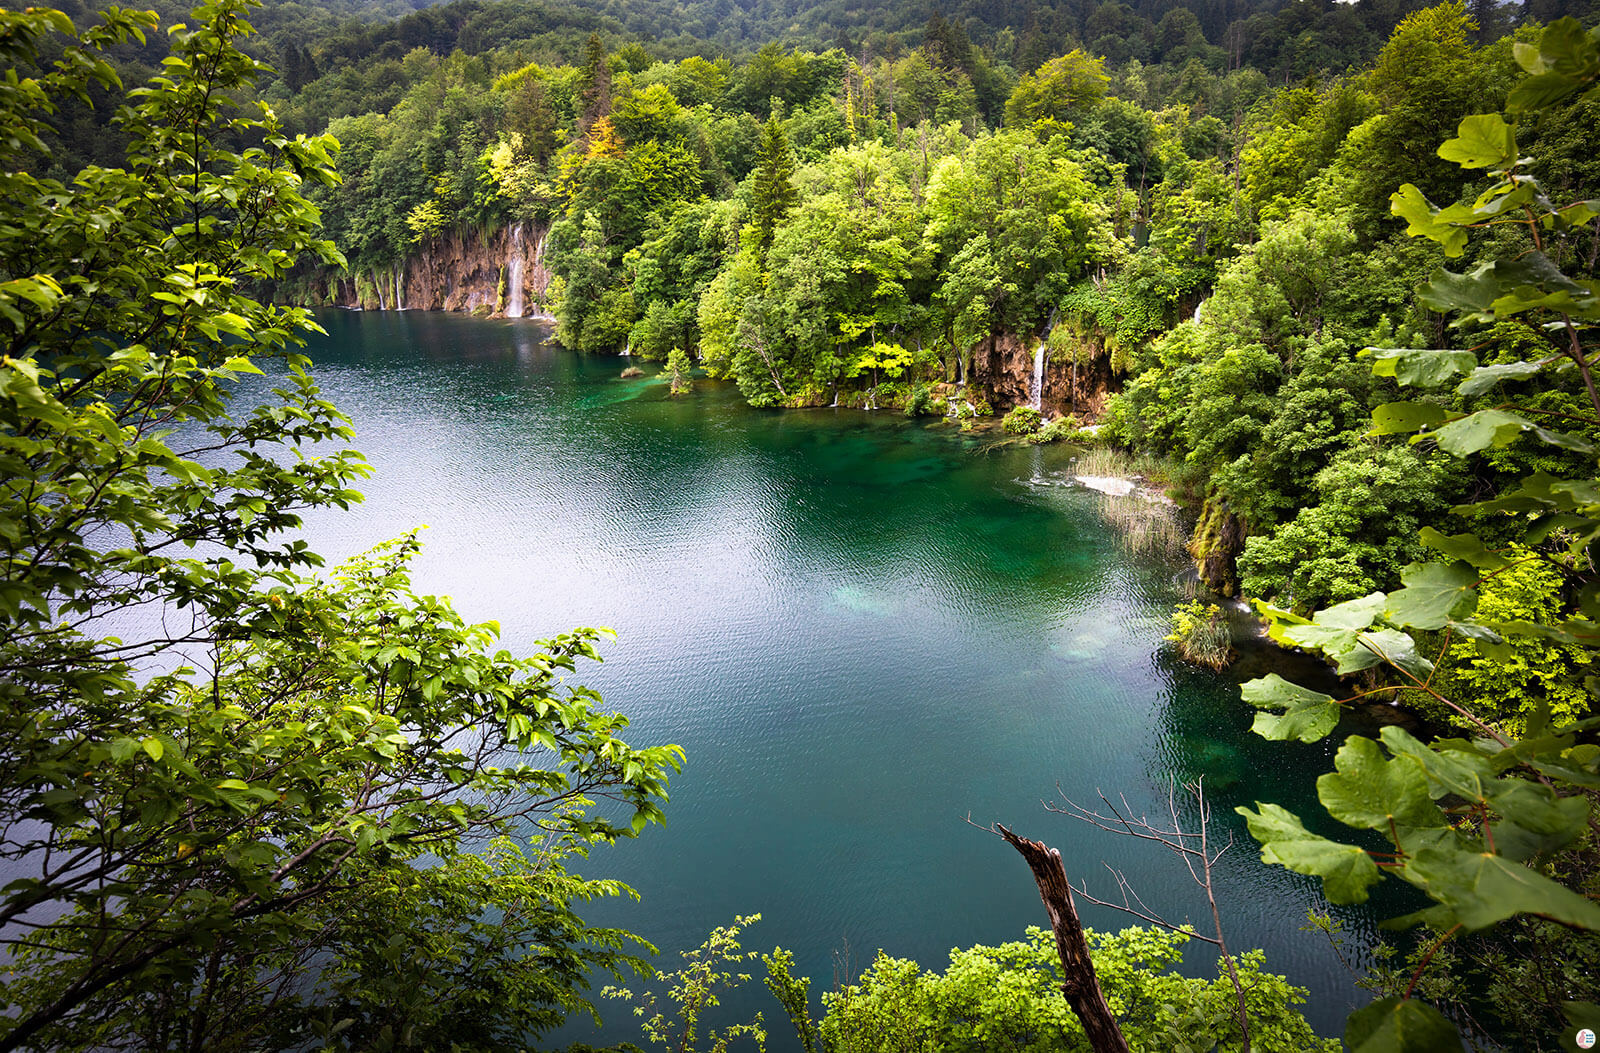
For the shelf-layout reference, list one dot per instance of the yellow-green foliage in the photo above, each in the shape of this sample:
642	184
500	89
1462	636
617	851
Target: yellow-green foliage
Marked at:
1508	686
1202	634
1009	997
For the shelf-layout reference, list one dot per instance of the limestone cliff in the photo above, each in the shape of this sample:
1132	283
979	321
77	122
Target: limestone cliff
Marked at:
1076	378
501	274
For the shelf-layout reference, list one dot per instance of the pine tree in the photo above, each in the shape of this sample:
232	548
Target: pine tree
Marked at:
773	194
596	98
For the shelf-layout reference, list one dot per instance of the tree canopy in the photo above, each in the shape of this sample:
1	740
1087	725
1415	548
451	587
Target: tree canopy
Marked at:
222	775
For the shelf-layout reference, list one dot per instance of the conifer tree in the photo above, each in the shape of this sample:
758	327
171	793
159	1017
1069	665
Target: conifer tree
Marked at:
773	193
596	98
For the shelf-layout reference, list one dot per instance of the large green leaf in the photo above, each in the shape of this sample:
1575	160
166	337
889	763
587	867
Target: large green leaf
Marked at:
1483	888
1448	771
1308	715
1434	593
1421	366
1534	820
1332	640
1567	60
1387	645
1485	377
1351	614
1468	548
1424	220
1347	872
1400	1025
1483	140
1479	431
1372	791
1403	418
1474	292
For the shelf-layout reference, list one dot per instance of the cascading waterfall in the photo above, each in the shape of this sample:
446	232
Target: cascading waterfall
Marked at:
1036	389
1197	307
514	273
377	283
400	286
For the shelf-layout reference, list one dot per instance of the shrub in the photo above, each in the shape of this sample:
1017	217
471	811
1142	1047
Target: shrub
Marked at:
1202	635
1022	420
1058	429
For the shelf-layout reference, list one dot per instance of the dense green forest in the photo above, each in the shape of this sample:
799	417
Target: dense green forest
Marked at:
1334	265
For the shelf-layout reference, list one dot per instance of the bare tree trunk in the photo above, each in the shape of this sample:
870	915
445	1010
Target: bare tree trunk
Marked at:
1080	987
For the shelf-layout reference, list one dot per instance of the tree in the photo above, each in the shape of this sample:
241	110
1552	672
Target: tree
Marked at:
1057	91
1479	825
1014	227
678	366
203	806
772	192
595	100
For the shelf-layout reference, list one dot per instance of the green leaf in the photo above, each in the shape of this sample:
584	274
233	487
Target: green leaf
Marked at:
1479	431
1483	140
1485	377
1473	293
1457	772
1579	1015
1371	791
1398	649
1400	1025
1308	715
1403	418
154	747
1423	220
1434	594
241	364
1352	614
1421	367
1335	642
1483	889
1347	872
1468	548
1535	822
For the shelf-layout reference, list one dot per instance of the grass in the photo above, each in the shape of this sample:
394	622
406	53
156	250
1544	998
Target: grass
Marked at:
1147	528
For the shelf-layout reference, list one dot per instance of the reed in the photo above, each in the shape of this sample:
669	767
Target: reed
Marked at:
1145	527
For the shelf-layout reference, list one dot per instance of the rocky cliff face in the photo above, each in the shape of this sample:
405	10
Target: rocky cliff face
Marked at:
502	275
1005	369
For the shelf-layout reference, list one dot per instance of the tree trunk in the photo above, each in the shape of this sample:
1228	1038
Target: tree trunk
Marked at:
1081	988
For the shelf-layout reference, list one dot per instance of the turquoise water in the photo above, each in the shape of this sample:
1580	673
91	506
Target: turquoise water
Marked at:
862	630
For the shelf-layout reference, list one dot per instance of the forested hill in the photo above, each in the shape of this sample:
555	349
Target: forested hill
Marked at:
1285	41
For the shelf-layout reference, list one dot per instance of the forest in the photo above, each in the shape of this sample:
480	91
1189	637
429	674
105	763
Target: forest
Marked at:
1330	271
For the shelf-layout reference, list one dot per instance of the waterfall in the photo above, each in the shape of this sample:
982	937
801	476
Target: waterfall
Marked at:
514	272
400	286
1197	307
377	283
1036	389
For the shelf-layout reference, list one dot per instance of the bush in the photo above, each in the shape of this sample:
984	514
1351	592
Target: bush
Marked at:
1060	428
1009	997
1202	634
1022	420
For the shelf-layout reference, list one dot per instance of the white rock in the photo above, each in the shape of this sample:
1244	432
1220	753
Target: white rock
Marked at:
1107	484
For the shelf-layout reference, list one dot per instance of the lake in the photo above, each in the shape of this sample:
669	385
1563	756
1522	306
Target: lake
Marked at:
861	628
